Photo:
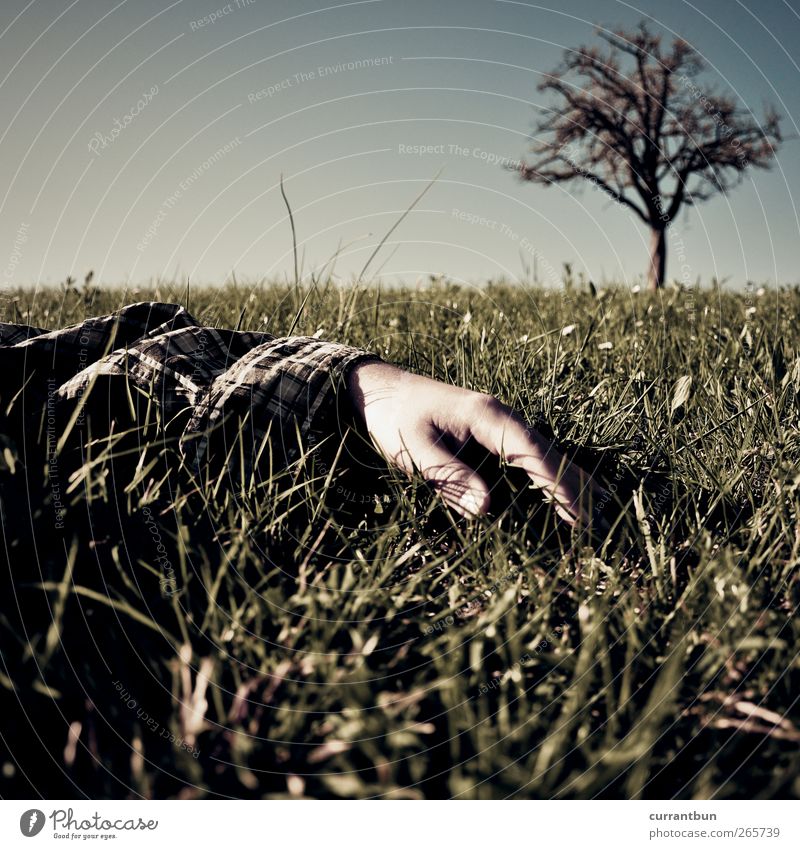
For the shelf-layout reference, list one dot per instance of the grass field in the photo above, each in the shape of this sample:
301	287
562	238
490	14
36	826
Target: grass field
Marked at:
323	643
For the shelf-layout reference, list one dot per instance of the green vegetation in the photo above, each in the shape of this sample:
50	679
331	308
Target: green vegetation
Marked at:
325	644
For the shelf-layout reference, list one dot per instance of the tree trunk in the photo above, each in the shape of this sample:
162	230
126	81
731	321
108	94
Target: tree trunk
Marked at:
658	258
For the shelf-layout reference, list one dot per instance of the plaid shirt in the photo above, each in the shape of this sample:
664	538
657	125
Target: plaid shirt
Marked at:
216	384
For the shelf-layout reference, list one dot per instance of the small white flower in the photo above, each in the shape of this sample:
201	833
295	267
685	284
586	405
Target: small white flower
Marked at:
566	330
467	318
750	311
605	346
636	289
760	292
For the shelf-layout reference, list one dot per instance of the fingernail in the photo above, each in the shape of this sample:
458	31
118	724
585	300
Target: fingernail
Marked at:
470	503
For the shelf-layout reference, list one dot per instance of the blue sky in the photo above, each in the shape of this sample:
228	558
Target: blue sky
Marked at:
145	139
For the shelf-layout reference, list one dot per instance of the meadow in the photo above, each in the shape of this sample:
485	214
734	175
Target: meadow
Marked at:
330	639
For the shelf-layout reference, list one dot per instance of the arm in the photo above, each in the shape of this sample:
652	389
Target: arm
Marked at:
255	386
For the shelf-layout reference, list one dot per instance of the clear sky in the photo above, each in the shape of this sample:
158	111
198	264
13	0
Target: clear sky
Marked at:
339	97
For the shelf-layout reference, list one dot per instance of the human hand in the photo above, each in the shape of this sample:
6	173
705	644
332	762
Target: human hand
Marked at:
419	424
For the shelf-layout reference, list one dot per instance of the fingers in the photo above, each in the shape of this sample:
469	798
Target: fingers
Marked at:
461	487
504	433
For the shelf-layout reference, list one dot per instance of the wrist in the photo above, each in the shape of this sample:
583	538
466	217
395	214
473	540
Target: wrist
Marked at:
367	380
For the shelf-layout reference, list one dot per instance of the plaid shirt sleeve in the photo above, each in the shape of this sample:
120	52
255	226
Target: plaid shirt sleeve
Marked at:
221	385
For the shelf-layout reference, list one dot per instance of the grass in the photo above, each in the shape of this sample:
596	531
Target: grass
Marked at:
325	643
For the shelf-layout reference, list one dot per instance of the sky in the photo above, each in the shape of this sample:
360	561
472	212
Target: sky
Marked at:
145	140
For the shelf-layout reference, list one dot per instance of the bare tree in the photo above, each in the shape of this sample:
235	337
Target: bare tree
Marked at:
632	119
